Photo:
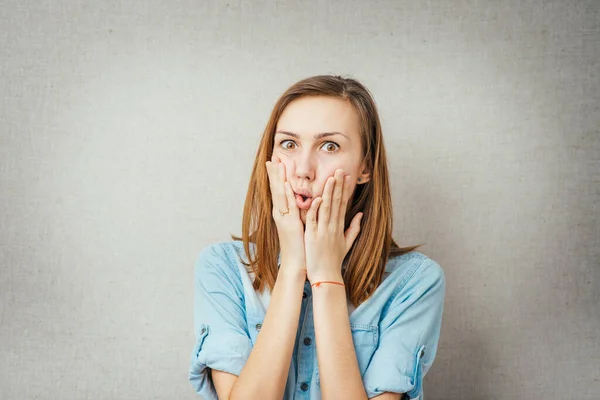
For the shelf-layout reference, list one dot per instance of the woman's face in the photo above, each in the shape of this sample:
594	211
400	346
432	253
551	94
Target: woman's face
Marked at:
315	136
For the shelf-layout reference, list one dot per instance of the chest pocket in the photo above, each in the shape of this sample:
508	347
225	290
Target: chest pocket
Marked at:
365	338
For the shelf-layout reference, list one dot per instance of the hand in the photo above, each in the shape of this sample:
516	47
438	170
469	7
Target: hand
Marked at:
326	242
290	229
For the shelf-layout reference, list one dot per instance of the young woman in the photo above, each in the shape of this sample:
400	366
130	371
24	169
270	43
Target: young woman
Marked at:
316	300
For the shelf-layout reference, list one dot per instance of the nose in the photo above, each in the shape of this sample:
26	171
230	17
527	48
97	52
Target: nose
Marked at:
305	165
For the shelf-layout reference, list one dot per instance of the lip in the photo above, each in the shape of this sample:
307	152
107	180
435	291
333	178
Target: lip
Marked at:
300	202
303	192
303	204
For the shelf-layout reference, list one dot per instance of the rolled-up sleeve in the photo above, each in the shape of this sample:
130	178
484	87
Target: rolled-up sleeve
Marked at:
222	339
410	332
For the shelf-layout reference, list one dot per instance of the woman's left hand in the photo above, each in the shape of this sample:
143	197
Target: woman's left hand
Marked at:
325	240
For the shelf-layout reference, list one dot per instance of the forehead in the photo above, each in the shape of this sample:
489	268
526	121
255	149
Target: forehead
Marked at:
316	114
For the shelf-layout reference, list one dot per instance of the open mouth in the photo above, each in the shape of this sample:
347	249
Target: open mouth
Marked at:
303	202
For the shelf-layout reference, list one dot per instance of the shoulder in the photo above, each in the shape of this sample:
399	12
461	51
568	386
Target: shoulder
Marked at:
220	258
414	271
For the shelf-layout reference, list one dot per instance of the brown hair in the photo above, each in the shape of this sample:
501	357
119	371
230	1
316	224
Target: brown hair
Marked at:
367	258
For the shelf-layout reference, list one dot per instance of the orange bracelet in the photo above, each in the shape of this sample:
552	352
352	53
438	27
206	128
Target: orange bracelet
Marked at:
317	284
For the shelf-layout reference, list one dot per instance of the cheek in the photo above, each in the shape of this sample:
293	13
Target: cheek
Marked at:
288	168
278	153
285	160
330	171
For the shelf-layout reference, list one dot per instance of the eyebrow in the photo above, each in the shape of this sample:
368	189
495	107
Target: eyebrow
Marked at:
317	136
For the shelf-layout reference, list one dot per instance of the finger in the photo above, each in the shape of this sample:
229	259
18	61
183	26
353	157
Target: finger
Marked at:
346	194
311	215
271	175
272	172
336	198
282	202
281	170
291	201
325	208
353	231
269	166
278	196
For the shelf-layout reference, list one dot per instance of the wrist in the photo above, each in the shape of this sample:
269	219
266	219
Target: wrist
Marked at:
331	276
291	273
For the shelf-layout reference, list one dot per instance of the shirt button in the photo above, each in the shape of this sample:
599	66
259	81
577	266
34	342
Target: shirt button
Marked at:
307	341
304	295
258	326
304	386
422	353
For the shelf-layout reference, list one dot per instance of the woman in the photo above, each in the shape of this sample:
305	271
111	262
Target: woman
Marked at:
316	300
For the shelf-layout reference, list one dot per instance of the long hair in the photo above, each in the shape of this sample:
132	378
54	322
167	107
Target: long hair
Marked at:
369	254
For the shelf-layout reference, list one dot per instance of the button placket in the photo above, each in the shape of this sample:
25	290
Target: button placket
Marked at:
305	352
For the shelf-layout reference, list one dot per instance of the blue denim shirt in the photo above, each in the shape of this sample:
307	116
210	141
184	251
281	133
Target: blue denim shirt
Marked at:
395	331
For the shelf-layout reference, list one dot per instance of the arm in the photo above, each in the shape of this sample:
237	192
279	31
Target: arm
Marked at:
327	244
409	331
338	367
265	373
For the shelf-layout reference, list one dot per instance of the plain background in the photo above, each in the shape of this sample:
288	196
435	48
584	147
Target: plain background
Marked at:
128	131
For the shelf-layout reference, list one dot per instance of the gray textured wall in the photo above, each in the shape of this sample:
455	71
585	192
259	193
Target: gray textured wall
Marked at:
128	130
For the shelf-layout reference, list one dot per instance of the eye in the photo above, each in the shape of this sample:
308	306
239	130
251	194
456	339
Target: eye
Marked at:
331	147
285	144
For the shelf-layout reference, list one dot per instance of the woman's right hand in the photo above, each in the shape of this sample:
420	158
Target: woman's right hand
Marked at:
289	226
